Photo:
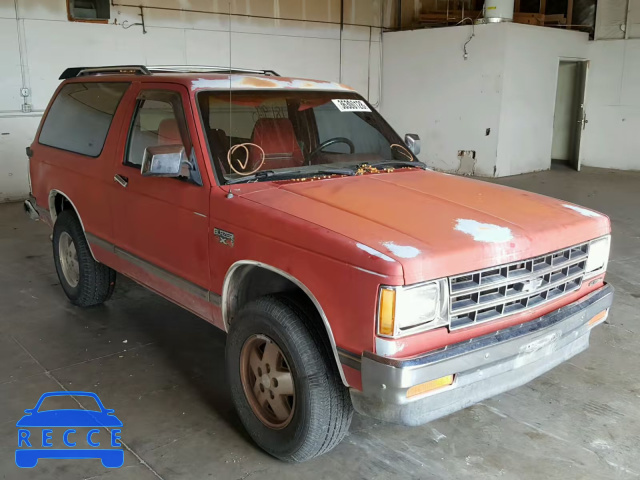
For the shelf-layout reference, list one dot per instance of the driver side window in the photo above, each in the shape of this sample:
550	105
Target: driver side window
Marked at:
158	120
333	123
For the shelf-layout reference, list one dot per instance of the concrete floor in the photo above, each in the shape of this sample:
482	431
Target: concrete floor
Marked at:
161	369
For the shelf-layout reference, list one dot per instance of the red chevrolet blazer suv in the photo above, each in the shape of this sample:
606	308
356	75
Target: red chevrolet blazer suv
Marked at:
288	213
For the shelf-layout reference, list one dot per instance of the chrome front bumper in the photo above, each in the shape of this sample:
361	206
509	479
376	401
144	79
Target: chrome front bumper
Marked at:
483	366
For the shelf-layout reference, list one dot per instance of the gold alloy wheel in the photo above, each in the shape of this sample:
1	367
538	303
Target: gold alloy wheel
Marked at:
69	259
267	381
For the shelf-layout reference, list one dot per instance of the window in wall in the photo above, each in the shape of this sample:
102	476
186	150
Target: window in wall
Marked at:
88	10
80	117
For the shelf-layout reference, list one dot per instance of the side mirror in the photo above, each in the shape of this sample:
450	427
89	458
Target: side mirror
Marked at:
412	141
165	161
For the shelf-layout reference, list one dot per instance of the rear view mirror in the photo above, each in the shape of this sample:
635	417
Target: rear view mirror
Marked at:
165	161
412	141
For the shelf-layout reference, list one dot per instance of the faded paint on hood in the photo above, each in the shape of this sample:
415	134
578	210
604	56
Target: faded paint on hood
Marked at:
434	224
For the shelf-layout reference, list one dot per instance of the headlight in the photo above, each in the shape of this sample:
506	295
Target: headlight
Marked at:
408	310
598	256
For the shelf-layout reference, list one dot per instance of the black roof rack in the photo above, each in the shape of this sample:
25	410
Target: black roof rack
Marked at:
116	69
207	69
73	72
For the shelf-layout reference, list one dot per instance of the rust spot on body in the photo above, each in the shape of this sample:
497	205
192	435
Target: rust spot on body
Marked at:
258	82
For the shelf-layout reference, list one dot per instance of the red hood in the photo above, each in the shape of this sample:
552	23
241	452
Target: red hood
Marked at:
434	224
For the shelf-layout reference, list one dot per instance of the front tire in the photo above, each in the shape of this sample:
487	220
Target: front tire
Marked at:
85	281
284	384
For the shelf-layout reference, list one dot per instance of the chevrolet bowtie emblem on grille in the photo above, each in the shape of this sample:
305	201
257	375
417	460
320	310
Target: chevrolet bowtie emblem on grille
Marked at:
530	286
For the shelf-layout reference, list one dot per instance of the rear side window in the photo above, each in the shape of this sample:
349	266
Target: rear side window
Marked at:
80	117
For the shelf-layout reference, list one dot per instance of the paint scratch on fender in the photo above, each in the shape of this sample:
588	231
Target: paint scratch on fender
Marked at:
370	272
402	251
389	348
374	252
484	232
582	211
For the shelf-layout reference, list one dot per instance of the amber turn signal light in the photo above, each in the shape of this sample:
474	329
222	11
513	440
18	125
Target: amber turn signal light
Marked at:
386	319
598	318
430	386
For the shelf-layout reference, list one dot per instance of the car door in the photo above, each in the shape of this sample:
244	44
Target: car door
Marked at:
160	224
73	150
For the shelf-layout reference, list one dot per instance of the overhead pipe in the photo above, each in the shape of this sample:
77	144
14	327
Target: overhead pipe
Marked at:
244	15
341	31
627	24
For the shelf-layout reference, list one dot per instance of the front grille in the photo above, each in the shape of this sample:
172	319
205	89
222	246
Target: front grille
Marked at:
484	295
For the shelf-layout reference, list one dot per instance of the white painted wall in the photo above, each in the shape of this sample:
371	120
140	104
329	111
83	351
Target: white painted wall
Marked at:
508	84
612	137
532	59
429	88
50	43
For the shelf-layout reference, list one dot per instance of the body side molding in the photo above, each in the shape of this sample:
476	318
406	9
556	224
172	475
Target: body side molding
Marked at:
159	272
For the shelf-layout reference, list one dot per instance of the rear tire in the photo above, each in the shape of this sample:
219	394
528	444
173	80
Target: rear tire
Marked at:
85	281
321	410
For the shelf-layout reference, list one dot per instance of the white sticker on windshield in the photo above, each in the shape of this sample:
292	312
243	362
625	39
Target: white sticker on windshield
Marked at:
349	105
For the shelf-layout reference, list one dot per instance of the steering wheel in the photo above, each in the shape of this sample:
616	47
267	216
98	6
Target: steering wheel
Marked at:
332	141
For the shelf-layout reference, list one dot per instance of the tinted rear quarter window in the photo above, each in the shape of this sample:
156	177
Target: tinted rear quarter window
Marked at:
80	117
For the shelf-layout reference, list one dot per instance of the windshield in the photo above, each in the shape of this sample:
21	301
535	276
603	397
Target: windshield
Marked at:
263	135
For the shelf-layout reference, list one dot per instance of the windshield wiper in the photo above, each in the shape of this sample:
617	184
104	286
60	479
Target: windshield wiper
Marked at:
272	175
394	164
332	171
254	177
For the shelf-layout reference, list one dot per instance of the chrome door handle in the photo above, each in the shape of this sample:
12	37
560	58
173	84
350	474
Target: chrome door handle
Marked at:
123	181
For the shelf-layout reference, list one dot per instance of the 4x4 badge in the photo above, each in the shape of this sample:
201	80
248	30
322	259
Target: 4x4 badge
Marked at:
226	238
